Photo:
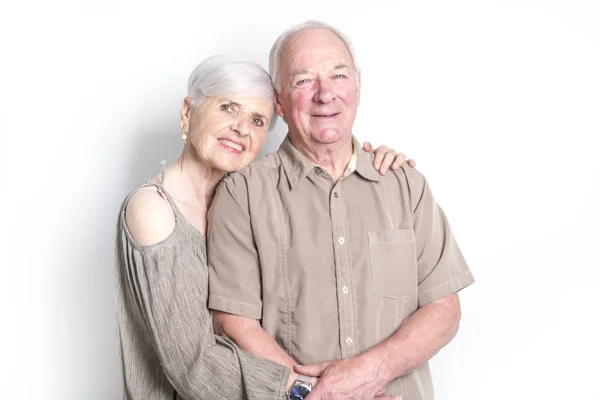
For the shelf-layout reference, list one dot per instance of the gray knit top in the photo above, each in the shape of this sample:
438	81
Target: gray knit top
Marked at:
167	345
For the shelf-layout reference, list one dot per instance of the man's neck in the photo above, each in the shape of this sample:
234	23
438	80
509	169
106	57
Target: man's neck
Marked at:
334	157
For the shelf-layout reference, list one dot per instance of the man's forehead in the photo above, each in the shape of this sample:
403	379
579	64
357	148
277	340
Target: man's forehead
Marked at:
314	39
307	45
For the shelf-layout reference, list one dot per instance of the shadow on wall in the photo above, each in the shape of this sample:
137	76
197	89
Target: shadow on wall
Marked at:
274	138
154	144
88	362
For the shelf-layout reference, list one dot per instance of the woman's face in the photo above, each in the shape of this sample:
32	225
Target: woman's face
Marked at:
227	131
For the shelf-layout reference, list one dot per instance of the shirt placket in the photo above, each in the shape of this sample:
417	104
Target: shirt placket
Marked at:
342	271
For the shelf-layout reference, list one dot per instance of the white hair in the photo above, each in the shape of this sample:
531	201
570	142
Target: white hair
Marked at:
277	48
219	75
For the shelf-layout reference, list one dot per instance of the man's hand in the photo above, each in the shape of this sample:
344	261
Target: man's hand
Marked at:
351	378
386	158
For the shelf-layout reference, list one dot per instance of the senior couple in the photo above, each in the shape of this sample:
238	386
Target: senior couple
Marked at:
317	273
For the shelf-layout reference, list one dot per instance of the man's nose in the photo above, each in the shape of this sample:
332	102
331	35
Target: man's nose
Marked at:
325	92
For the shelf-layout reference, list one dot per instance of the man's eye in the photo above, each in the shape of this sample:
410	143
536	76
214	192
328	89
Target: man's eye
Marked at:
226	107
339	76
302	82
258	122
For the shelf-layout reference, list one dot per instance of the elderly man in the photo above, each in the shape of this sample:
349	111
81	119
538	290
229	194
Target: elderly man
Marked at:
317	258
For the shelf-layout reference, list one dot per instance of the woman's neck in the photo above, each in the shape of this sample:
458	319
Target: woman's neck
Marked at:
192	181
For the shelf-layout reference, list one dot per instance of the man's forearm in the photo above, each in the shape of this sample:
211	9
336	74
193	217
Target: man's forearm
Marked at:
418	338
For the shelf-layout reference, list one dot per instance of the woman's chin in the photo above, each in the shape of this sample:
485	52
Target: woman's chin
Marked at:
227	166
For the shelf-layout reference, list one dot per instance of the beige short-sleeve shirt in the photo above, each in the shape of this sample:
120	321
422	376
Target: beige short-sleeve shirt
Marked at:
330	268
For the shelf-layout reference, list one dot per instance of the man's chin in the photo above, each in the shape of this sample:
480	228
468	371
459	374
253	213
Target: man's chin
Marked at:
330	136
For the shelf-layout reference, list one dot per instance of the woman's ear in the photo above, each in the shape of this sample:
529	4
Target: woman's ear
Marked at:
184	115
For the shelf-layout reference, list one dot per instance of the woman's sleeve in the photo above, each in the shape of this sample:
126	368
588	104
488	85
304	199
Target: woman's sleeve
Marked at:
168	288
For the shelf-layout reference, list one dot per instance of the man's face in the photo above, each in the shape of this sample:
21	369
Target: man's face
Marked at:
319	87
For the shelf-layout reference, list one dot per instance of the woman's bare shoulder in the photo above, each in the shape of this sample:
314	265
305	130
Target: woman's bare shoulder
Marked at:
149	217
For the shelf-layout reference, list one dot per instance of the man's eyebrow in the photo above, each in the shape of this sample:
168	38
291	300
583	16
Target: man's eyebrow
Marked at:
341	66
304	71
299	72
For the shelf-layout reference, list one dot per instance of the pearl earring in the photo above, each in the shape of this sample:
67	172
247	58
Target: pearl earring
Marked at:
184	136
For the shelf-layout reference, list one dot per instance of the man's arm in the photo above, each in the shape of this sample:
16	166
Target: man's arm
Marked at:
442	272
252	338
418	339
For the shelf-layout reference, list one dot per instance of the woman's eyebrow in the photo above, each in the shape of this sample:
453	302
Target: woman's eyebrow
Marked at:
253	114
259	115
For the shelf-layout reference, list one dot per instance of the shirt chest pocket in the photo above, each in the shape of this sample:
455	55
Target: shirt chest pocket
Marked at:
393	262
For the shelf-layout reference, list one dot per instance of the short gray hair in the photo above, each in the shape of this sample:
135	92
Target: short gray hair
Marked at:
219	75
277	48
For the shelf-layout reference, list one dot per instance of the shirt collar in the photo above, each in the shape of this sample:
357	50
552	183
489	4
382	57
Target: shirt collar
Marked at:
297	166
352	164
364	163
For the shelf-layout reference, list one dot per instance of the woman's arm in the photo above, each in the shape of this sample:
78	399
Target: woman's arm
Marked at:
166	286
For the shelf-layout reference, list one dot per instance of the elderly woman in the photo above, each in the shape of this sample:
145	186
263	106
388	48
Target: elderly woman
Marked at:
167	345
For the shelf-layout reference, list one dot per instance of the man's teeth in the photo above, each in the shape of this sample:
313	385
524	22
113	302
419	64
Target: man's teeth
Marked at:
229	143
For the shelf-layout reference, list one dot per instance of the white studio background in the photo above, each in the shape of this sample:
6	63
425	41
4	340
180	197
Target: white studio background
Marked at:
498	101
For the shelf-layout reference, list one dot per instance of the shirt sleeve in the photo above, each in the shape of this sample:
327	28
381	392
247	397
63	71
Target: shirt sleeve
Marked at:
167	290
234	267
441	267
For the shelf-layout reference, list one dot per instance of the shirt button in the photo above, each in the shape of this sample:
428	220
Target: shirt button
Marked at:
349	341
335	194
341	240
345	289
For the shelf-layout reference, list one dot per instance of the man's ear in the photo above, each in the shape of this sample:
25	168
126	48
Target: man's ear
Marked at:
358	89
184	115
278	106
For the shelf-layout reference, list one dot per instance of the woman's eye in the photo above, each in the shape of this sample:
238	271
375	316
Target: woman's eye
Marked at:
226	107
339	76
258	122
302	82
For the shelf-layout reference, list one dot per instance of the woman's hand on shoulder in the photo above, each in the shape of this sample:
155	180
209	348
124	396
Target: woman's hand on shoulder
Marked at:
149	217
386	158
